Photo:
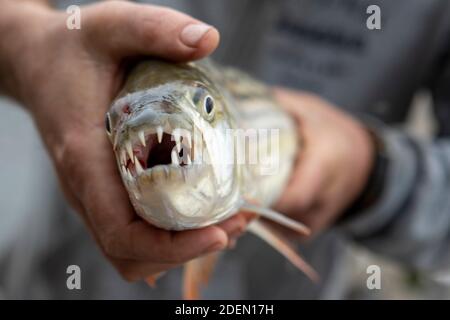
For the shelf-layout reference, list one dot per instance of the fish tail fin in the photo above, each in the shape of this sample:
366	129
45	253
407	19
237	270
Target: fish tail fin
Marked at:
277	217
275	239
197	273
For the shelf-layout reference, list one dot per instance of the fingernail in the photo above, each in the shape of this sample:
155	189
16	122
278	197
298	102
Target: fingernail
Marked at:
193	33
215	247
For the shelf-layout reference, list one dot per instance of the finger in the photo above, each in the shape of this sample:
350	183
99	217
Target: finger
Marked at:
125	29
319	218
235	225
297	102
132	270
142	242
305	186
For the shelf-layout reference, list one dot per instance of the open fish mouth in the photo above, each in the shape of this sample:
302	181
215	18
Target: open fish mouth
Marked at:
158	153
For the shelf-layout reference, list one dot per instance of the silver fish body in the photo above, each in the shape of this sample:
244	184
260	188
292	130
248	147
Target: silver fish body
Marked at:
179	132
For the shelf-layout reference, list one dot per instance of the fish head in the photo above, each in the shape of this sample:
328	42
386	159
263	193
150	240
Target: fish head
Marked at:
174	155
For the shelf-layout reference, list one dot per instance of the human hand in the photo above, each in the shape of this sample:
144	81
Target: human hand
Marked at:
67	79
334	163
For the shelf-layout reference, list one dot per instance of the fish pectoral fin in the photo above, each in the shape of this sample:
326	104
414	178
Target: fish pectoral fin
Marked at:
277	217
151	280
275	239
197	273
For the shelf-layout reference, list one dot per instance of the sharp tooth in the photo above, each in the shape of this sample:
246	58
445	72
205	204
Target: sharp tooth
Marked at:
141	135
139	169
176	136
129	150
116	140
123	157
124	170
188	159
159	133
129	175
174	157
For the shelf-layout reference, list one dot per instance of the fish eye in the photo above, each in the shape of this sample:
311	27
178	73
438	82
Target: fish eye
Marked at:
108	123
209	105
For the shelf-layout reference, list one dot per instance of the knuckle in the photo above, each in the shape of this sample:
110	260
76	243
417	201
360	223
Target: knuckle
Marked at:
114	244
70	148
103	15
109	246
68	155
145	26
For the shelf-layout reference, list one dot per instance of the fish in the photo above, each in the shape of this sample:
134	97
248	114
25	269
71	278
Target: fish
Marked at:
196	143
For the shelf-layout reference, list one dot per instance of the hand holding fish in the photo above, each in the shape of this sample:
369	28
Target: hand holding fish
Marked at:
67	79
334	165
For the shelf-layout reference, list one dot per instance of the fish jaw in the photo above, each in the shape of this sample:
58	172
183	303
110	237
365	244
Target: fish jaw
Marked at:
173	203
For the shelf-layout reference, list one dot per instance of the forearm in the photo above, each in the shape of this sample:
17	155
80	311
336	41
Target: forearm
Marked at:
22	23
411	220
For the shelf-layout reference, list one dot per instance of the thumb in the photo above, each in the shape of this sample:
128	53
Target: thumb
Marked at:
122	29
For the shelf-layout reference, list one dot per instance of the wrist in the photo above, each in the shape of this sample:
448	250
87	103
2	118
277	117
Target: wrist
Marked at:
22	25
372	191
